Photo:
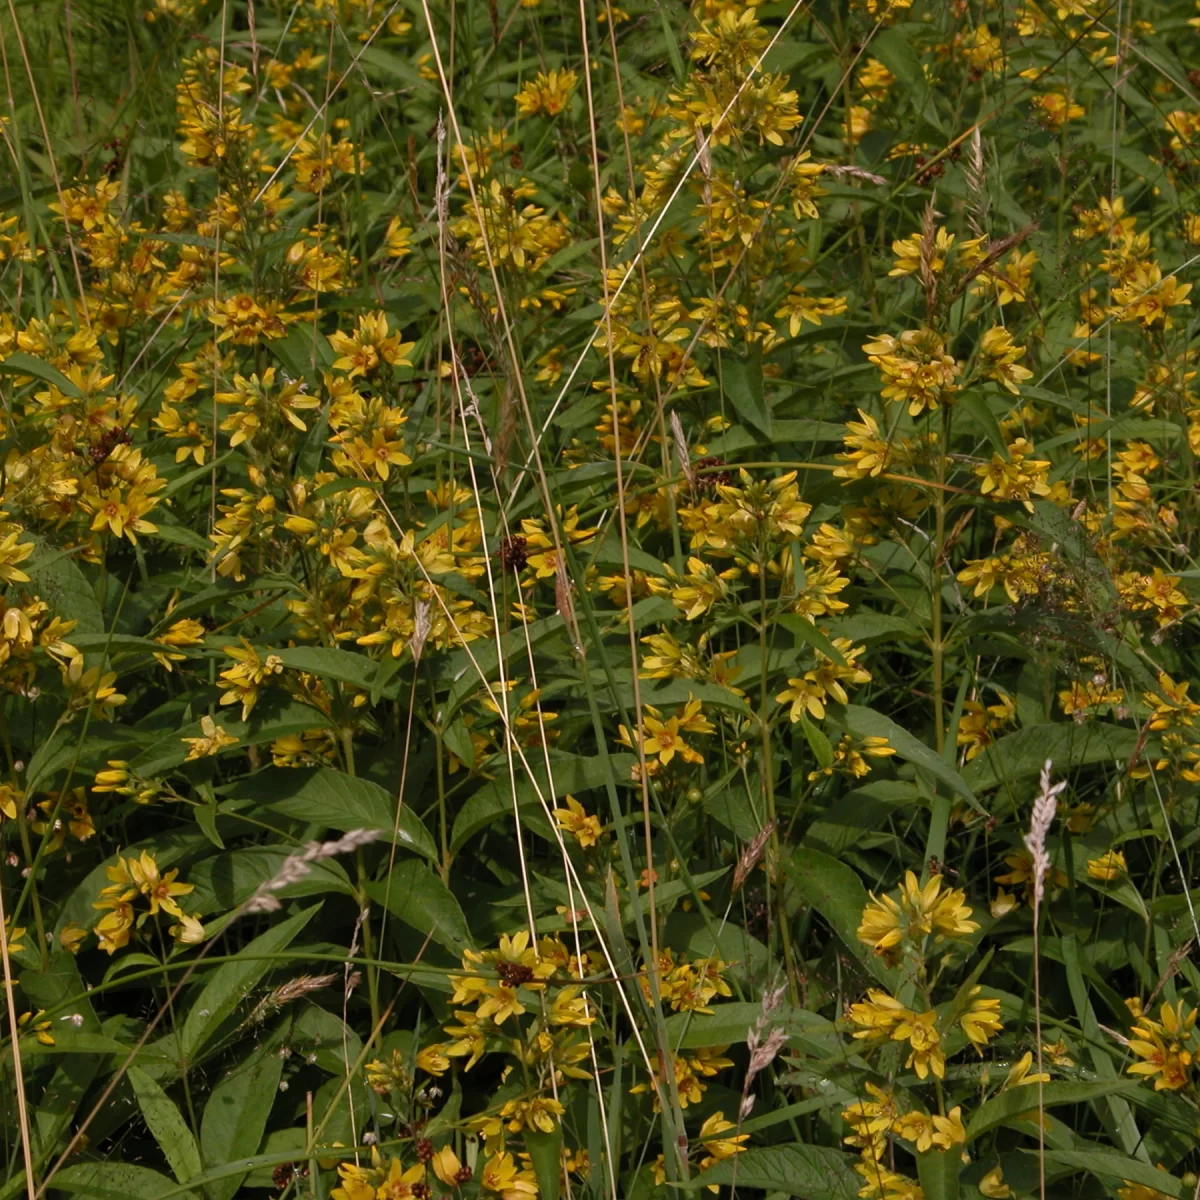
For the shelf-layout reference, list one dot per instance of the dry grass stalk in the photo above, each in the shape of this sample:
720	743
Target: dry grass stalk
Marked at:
297	866
928	254
285	993
842	171
682	452
1045	805
752	852
995	251
976	176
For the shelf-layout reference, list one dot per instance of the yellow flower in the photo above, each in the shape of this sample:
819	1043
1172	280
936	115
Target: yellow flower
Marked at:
799	307
808	694
188	931
71	937
1021	871
916	369
1019	1073
160	890
29	1023
925	1044
981	1020
909	252
1018	477
992	1185
501	1175
212	740
548	93
540	1113
371	343
447	1166
398	1183
1108	867
719	1147
871	1120
182	633
574	819
355	1183
919	912
14	936
249	672
1000	359
122	513
666	738
978	723
1055	109
949	1130
1165	1047
11	553
1140	1191
500	1003
915	1127
433	1060
114	928
878	1016
869	453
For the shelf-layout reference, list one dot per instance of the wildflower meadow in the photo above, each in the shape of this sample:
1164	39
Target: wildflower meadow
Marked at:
599	601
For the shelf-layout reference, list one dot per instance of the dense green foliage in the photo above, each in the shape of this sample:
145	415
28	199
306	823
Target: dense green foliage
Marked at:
599	600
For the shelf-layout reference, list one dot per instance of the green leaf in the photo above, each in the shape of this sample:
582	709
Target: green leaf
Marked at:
224	881
672	42
806	631
180	535
165	1121
730	1023
56	577
811	1172
343	665
20	363
1119	1121
853	817
66	750
895	51
1022	754
115	644
938	1172
742	383
236	1115
866	722
545	1151
421	900
1008	1106
978	408
273	717
494	801
117	1181
59	983
458	740
230	983
342	1111
180	482
837	893
1121	889
865	626
818	743
334	800
1112	1165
